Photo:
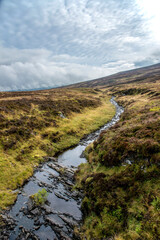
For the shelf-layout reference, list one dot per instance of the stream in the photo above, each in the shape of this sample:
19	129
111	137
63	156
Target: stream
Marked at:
57	218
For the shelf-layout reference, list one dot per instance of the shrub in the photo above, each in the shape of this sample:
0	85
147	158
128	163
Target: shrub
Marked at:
40	197
156	203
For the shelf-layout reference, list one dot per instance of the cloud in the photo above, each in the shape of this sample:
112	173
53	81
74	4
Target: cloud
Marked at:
53	43
43	69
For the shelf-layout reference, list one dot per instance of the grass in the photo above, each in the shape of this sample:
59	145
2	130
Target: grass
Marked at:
40	197
31	128
122	201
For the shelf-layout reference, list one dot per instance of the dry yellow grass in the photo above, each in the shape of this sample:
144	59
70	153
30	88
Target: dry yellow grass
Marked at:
32	128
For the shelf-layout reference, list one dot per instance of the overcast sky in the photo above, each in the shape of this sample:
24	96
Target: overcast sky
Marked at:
50	43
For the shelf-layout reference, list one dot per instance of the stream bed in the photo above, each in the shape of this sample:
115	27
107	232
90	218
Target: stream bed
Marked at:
61	213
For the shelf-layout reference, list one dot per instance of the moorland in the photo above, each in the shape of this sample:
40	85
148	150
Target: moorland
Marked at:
38	124
121	179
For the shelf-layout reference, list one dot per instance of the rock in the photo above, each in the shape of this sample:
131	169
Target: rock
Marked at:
37	227
53	159
69	221
69	183
36	211
27	235
82	155
5	238
37	223
60	196
48	210
30	204
53	222
64	236
24	210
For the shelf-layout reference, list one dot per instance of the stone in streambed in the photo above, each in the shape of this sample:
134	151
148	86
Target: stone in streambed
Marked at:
69	221
30	204
60	196
36	211
53	222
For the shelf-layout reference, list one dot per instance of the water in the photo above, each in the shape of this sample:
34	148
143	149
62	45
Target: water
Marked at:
62	211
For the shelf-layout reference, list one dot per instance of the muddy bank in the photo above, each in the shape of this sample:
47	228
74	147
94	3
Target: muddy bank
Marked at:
57	218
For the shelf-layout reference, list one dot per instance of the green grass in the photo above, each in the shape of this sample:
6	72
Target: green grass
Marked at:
122	201
33	129
40	197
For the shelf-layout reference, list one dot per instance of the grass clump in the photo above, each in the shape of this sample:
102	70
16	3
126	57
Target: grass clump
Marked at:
40	197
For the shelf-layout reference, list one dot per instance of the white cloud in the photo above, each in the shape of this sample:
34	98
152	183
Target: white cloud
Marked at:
45	70
53	43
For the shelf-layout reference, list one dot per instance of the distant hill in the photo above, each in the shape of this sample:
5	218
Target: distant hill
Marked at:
150	73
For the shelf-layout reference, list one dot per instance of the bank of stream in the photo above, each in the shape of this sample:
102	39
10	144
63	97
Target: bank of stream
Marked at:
57	218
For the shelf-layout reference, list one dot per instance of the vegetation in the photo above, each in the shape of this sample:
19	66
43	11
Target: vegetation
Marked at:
40	197
121	180
37	124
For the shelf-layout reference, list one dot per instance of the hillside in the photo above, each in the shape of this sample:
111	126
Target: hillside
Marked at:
121	180
150	73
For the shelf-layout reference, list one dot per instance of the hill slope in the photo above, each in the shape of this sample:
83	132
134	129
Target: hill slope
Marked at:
121	180
150	73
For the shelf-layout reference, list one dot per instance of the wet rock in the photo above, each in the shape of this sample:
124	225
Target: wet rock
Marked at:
61	234
36	211
70	170
46	185
7	225
72	223
52	165
26	235
53	222
52	159
37	227
24	210
64	236
5	238
60	196
30	204
40	184
37	223
75	194
68	175
48	210
69	183
82	154
52	176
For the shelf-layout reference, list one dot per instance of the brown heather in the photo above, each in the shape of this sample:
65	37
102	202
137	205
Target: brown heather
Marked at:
121	180
34	125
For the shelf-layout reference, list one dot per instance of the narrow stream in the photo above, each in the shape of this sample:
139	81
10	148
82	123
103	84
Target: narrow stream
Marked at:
58	217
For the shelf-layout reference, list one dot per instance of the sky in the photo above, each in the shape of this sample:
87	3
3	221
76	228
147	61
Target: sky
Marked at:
50	43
